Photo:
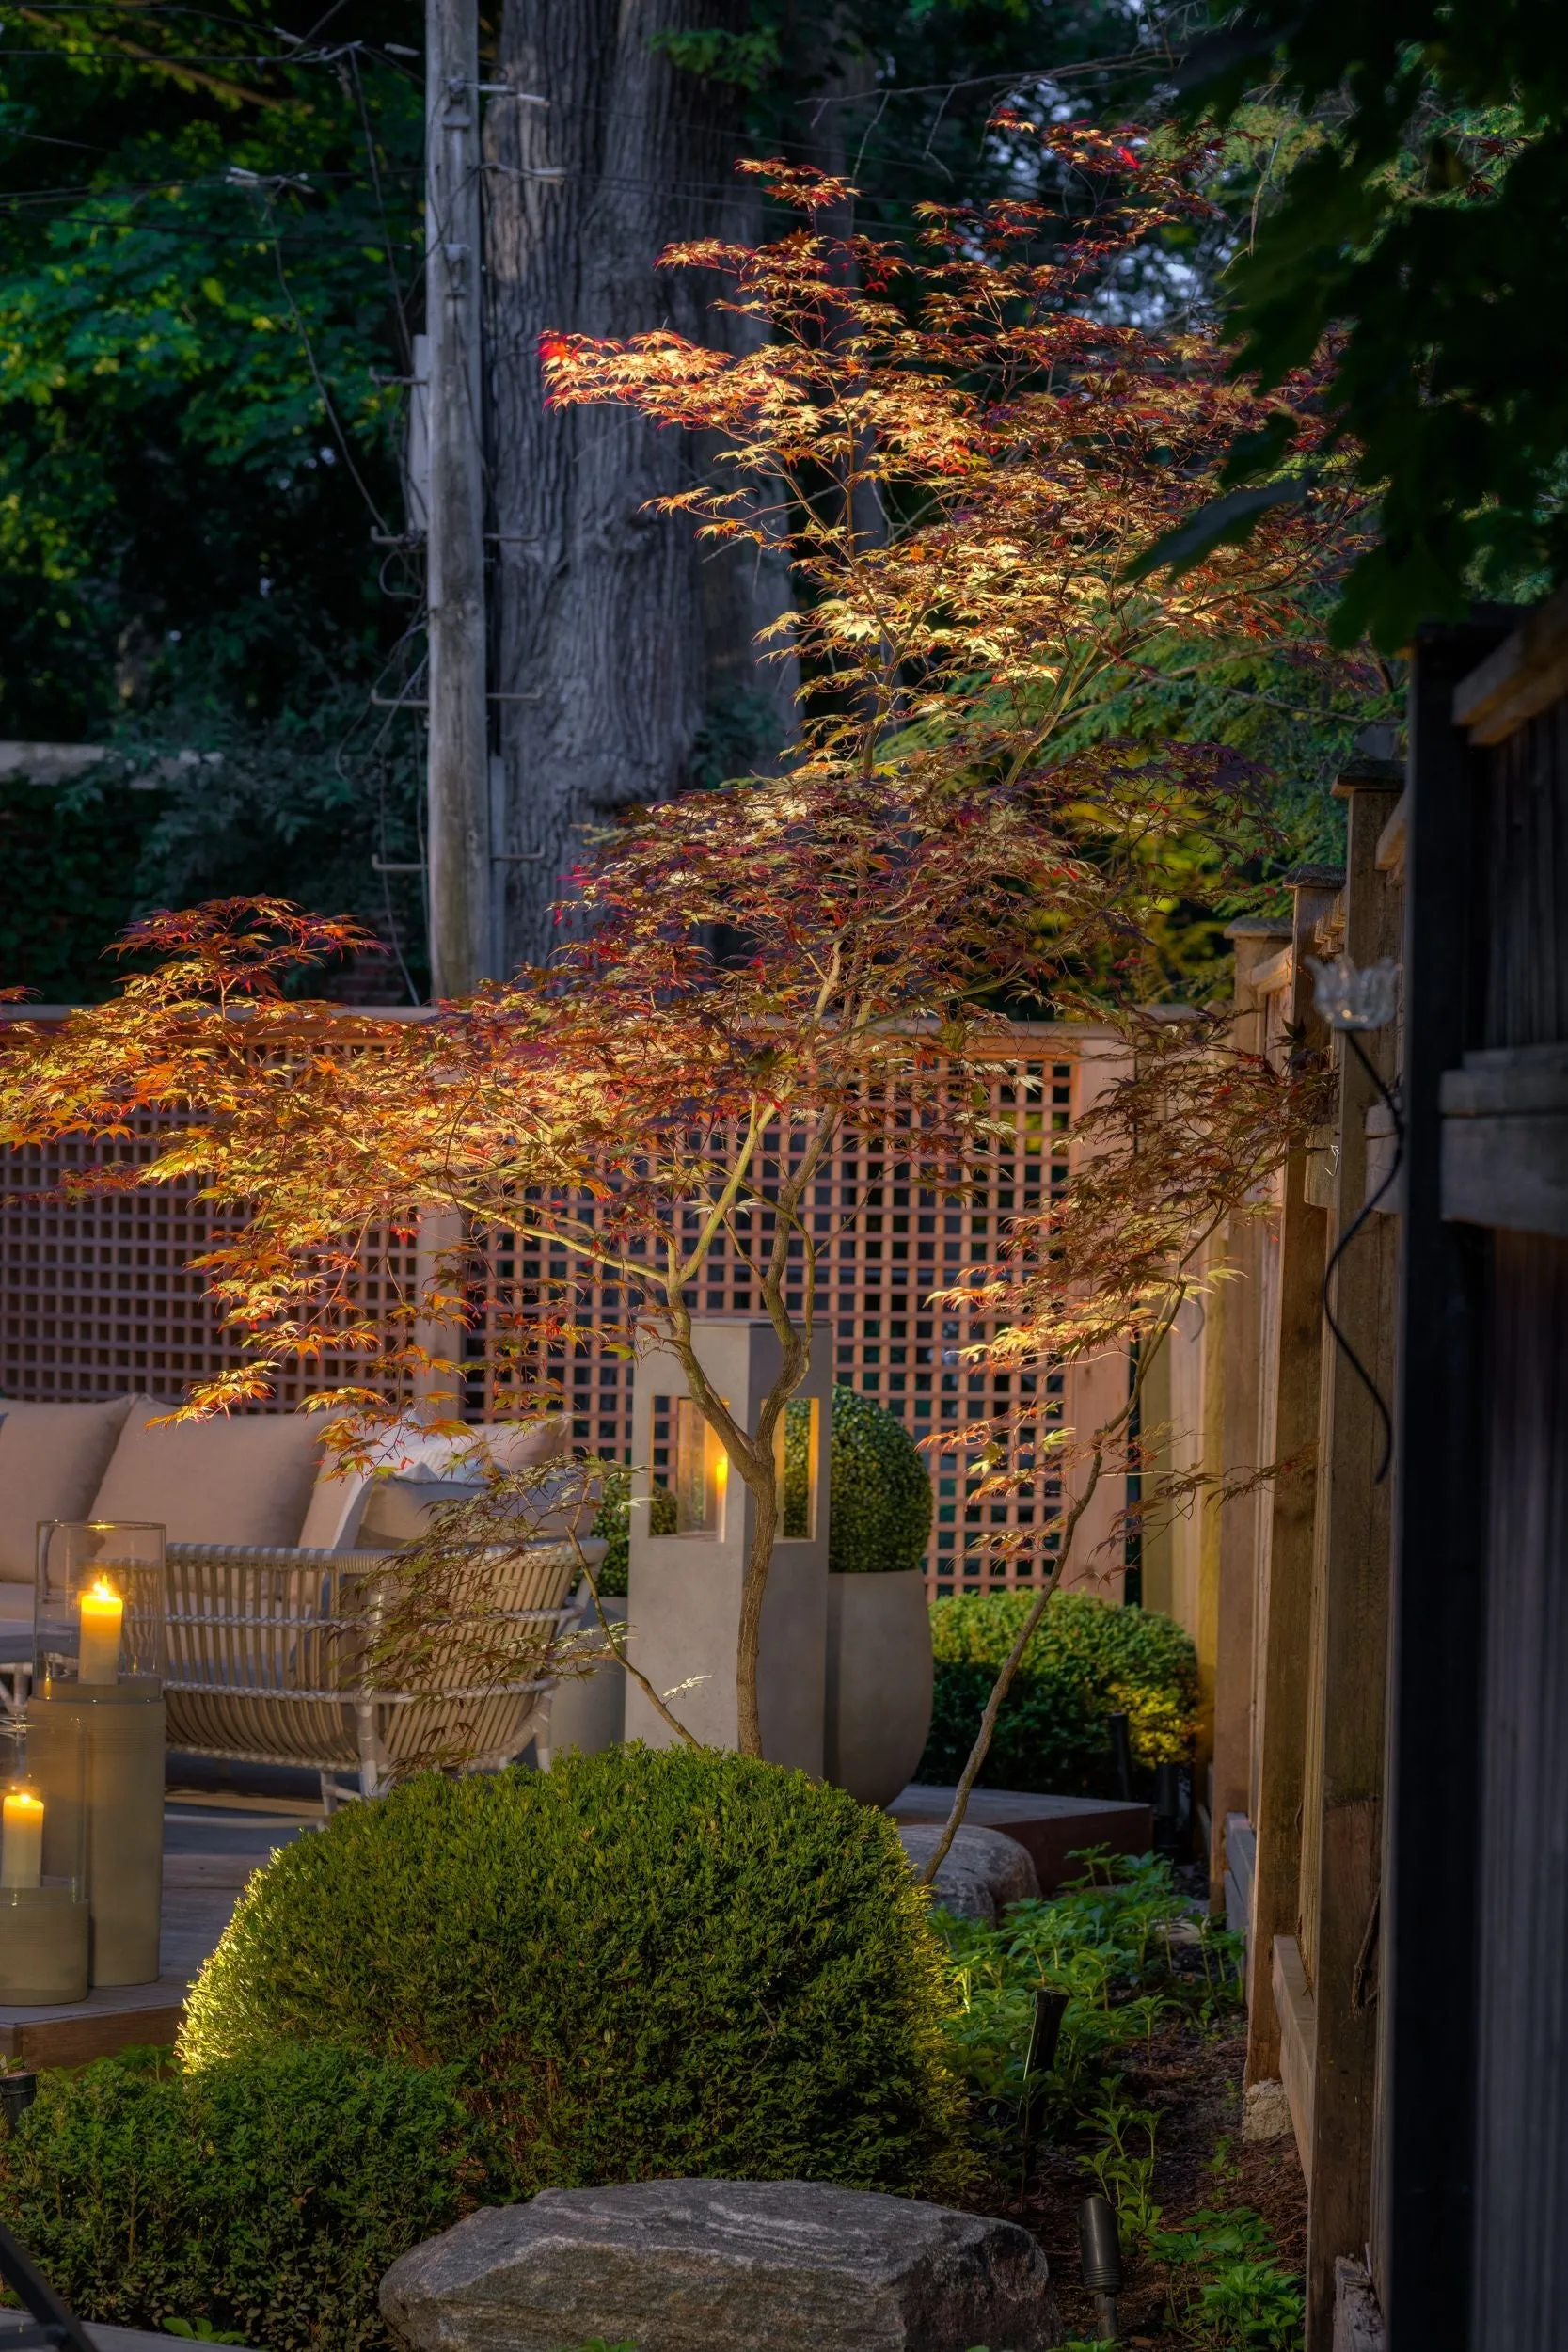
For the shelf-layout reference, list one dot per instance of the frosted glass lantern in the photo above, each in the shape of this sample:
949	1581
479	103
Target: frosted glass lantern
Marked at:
98	1673
98	1621
44	1912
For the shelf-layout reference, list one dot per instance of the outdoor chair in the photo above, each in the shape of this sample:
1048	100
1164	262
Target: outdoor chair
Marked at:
274	1563
265	1662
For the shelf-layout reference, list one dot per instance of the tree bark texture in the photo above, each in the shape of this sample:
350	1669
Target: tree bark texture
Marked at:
616	641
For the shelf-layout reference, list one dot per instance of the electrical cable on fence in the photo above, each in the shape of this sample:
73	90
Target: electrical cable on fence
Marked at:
1351	1001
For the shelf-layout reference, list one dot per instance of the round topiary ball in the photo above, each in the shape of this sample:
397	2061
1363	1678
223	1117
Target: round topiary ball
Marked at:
642	1964
880	1506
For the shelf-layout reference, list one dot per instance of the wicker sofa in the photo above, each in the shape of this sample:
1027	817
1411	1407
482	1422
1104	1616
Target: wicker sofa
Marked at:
276	1563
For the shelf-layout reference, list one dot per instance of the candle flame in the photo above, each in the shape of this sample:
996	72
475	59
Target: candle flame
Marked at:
103	1590
25	1800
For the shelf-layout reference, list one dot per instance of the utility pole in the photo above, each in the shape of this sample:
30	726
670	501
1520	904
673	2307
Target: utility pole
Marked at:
459	790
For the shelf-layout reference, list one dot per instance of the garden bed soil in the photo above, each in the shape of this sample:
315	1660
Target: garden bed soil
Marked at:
1192	2082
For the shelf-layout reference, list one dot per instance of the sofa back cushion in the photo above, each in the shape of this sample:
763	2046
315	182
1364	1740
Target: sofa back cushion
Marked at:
337	1500
343	1515
243	1480
399	1510
52	1461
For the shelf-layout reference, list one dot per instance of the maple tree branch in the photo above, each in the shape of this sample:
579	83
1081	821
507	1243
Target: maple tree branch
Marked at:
1108	1430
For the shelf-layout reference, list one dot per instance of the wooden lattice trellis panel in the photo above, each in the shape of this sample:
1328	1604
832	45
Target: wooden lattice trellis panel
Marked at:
96	1298
888	1247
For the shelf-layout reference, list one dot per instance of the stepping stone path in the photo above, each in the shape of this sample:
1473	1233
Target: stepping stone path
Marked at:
718	2265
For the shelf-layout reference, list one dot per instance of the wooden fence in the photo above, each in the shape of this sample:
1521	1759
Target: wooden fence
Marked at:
1383	1632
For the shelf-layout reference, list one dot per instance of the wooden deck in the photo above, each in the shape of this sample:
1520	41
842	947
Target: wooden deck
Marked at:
209	1853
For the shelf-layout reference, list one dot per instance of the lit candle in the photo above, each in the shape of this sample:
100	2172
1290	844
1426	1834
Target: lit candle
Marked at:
21	1841
99	1652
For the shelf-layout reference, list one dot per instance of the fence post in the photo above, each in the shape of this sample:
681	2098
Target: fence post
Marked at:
1342	1813
1285	1564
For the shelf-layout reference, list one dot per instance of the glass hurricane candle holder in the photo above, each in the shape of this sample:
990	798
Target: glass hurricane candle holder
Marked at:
44	1911
99	1621
98	1666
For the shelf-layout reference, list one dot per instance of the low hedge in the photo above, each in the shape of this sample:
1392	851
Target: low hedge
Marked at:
265	2195
641	1964
1086	1658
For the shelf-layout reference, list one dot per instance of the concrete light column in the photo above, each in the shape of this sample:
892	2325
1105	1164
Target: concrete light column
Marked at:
684	1599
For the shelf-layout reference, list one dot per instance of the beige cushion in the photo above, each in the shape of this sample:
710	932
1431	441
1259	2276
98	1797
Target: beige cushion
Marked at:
509	1445
398	1509
243	1480
336	1499
335	1520
51	1459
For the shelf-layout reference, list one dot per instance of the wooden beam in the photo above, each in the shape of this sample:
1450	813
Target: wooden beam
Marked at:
1297	2024
1285	1568
1343	1840
1422	2233
1520	677
1505	1139
1236	1421
1157	1548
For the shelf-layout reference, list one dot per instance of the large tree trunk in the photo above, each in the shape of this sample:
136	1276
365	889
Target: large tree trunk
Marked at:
616	643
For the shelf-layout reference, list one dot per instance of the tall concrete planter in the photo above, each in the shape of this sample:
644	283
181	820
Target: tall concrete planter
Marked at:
880	1681
684	1603
588	1713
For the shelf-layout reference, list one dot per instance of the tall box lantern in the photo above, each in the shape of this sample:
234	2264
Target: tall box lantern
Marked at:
692	1519
98	1677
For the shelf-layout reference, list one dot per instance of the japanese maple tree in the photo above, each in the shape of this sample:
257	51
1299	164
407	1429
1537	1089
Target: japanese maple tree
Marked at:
1022	439
753	978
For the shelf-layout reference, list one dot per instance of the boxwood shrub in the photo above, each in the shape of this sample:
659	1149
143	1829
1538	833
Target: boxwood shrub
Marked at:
880	1494
1086	1658
641	1964
265	2195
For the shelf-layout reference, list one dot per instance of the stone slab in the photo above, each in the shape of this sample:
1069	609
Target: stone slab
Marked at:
706	2265
1051	1828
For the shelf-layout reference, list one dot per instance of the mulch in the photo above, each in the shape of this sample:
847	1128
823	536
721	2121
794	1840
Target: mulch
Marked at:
1193	2081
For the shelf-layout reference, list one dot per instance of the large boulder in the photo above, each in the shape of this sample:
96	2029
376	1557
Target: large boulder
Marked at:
714	2265
982	1872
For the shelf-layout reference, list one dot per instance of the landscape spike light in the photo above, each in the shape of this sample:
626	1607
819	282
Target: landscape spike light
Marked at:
1099	2253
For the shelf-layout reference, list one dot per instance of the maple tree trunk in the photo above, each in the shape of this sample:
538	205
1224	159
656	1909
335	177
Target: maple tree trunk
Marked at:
754	1592
615	641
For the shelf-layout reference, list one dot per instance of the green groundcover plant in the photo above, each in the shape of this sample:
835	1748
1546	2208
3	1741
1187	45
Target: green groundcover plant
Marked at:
1086	1659
1133	1958
638	1966
261	2198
